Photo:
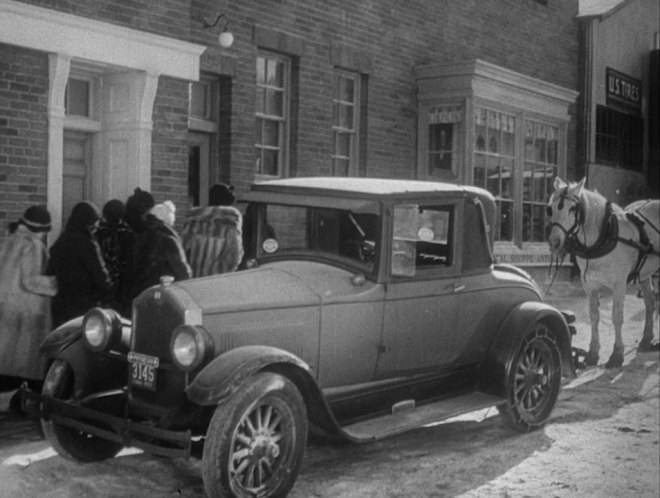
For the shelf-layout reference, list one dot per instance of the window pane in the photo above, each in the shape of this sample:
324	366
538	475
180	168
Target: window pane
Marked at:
346	90
341	167
275	73
480	171
77	97
270	162
271	133
199	100
343	145
275	102
261	70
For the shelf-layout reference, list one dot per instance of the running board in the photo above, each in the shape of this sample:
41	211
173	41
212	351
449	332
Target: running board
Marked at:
405	416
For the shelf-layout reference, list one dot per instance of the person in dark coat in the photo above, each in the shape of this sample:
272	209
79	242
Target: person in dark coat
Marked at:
115	238
157	250
75	260
212	236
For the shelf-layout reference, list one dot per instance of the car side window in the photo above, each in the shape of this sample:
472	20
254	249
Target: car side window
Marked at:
422	238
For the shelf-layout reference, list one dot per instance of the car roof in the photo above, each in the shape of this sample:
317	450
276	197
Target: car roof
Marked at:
365	186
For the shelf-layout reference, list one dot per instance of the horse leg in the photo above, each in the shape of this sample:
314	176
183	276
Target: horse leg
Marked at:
646	344
618	298
594	316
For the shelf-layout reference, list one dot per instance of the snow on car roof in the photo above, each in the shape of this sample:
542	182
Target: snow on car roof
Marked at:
377	186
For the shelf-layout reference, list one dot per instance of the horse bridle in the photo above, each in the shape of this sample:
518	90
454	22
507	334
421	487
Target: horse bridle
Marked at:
572	233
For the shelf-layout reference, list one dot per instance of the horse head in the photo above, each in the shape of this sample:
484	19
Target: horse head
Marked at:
564	214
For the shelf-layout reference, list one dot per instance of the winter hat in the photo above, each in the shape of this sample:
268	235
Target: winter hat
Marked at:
221	195
140	202
83	215
36	219
114	210
165	212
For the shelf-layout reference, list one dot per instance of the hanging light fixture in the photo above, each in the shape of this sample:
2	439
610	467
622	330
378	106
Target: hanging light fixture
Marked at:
225	38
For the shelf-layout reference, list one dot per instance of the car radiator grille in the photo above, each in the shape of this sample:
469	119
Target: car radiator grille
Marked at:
153	325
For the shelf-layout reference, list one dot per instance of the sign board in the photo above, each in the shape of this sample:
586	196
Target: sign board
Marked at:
623	92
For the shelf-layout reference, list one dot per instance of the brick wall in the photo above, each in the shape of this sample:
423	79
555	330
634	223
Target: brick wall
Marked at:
165	17
386	39
23	131
169	151
393	37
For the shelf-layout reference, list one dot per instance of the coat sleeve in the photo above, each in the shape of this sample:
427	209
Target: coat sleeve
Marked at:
98	272
32	278
232	251
176	257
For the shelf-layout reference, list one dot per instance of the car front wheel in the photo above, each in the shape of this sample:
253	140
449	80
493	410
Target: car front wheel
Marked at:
69	442
256	440
533	382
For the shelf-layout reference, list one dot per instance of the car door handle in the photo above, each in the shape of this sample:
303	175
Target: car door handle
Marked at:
459	287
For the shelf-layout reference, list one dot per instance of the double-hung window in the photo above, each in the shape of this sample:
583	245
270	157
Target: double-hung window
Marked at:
272	115
345	123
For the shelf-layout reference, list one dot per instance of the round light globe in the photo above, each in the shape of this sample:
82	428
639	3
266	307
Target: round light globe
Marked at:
226	39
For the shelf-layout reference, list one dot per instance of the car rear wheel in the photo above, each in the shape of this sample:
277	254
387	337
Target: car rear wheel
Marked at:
534	381
69	442
256	440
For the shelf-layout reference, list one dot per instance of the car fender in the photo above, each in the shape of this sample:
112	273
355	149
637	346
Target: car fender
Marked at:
61	338
93	372
517	324
225	375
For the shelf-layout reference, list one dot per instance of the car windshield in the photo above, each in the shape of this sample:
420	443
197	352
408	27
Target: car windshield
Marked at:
303	231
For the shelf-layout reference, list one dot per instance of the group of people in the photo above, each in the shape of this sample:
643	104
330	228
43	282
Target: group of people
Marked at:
102	259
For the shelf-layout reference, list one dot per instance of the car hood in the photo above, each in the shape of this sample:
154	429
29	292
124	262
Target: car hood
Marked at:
283	284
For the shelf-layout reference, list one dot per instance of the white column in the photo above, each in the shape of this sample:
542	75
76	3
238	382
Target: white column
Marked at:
127	123
58	73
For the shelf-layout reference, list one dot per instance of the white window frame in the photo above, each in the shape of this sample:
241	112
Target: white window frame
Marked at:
284	121
353	131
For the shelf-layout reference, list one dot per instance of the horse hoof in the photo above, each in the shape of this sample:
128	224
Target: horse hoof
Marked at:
615	361
591	359
646	346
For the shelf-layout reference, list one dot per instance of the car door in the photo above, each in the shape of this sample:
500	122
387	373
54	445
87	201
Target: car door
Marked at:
421	311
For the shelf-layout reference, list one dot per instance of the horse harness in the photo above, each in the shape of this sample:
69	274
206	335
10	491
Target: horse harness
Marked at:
608	235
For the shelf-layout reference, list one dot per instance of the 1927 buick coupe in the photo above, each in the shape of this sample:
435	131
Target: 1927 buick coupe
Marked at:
370	306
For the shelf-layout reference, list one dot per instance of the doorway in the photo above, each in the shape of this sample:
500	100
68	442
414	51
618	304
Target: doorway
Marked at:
76	170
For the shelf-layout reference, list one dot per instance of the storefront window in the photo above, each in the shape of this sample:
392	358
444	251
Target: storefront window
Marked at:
443	139
541	145
619	139
494	164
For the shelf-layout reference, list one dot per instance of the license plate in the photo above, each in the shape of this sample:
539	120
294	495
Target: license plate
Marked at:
143	370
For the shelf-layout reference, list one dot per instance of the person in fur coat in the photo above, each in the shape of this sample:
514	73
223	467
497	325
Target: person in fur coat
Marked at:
157	250
24	299
212	236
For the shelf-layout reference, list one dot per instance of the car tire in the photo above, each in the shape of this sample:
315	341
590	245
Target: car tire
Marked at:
256	440
533	382
68	442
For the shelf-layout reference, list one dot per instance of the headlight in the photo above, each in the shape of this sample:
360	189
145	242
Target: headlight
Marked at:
189	346
101	329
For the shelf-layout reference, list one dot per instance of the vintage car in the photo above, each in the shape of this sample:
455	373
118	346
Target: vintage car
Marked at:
369	306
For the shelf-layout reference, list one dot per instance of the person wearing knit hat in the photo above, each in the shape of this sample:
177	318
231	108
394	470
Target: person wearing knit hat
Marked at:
76	261
212	236
24	300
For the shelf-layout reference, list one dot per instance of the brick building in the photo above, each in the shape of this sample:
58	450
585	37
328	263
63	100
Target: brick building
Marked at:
619	115
100	96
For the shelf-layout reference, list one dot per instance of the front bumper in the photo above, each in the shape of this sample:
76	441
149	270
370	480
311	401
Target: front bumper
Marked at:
122	430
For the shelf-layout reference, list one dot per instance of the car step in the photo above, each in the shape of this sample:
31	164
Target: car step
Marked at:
406	416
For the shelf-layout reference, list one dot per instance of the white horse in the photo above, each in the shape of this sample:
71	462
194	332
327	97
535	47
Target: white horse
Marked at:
612	246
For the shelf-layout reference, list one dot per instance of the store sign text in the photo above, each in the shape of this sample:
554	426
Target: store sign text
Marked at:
623	91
